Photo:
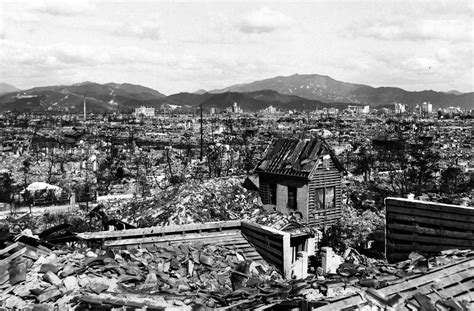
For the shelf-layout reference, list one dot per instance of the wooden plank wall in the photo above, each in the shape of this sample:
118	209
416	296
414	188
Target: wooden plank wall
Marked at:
273	245
324	178
160	231
426	227
264	189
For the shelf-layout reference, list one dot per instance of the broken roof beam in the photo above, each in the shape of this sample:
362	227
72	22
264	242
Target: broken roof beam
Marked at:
189	237
430	277
13	256
8	248
418	284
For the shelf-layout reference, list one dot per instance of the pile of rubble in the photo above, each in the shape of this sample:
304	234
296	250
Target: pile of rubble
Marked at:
183	275
194	201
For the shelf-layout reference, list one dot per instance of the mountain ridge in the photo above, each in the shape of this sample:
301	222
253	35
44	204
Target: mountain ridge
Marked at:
326	89
107	97
252	101
7	88
295	92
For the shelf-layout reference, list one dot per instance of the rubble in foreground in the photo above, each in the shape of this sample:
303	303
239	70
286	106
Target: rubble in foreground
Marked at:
186	276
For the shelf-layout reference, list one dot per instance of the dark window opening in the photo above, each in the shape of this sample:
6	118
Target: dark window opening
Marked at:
273	193
325	198
292	198
330	198
320	198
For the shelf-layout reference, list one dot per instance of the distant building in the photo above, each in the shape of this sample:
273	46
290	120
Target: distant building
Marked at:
452	110
359	109
326	112
213	110
331	111
270	109
400	108
145	111
234	109
426	107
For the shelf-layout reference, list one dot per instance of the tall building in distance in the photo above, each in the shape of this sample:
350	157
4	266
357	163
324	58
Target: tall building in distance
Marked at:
426	107
400	108
359	109
145	111
235	108
270	110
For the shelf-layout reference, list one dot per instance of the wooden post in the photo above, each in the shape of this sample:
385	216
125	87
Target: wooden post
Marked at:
286	256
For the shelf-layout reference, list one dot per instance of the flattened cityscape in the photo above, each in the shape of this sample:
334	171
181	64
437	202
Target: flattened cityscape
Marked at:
296	192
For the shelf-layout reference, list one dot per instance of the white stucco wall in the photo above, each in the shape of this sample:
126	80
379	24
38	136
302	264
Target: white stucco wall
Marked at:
301	197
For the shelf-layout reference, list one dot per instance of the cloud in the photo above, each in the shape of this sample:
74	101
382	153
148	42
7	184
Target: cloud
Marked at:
23	55
451	30
22	17
60	7
264	21
443	55
142	30
420	65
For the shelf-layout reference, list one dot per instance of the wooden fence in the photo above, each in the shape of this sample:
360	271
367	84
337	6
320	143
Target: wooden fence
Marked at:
426	227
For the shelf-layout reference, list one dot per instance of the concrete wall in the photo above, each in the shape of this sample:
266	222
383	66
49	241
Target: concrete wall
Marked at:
302	196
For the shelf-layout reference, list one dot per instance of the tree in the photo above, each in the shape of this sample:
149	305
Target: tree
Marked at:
356	229
52	160
364	162
424	162
249	158
26	165
214	156
452	180
6	187
411	166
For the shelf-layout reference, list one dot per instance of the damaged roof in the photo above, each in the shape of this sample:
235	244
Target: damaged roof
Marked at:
295	157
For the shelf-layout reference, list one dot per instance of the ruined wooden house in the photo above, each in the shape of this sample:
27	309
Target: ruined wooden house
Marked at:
302	177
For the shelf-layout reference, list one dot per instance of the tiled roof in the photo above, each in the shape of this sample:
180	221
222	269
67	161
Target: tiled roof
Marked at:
294	157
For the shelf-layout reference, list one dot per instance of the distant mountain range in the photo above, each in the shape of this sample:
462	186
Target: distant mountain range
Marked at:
110	97
7	88
326	89
296	92
252	101
454	92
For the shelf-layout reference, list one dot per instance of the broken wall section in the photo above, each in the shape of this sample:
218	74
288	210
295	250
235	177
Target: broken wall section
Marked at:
426	227
273	245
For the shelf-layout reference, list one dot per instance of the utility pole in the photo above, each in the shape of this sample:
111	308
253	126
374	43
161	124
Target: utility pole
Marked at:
202	150
84	109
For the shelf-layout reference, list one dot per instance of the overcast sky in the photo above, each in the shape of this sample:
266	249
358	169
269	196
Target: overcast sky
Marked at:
186	46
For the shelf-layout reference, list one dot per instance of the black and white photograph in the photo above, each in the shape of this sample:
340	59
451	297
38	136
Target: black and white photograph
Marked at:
236	155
